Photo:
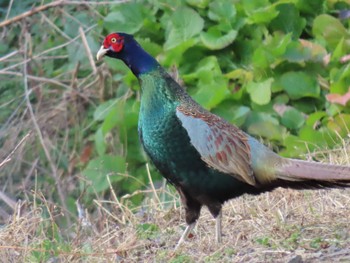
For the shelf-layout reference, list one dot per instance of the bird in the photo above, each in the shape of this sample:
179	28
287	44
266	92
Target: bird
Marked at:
207	159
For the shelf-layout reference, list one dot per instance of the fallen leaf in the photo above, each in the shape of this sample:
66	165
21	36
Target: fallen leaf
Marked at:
338	98
86	153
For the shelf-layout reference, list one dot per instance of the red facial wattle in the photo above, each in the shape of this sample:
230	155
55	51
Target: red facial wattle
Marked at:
114	42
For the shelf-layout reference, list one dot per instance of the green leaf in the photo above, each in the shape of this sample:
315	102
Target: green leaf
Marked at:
184	24
317	139
294	146
114	117
293	119
296	52
103	109
279	43
147	231
211	85
151	47
340	124
340	78
97	170
309	140
127	17
269	54
198	3
303	51
331	30
339	51
299	85
174	56
71	26
259	11
214	40
280	99
315	117
232	113
222	10
312	7
76	54
267	130
288	20
244	76
260	93
211	93
100	142
124	113
239	115
263	124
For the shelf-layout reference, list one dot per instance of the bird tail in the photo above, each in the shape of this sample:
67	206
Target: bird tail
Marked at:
298	170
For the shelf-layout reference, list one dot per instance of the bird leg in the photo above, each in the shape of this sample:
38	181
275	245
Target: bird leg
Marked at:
218	232
185	234
215	210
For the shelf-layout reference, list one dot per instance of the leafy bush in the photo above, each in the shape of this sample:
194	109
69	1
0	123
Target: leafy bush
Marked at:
265	66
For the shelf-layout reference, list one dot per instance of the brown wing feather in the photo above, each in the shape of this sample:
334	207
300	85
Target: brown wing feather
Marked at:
221	145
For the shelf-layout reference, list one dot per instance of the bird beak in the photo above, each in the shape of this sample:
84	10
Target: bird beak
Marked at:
101	53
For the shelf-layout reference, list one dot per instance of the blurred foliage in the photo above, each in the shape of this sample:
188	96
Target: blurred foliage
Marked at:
263	65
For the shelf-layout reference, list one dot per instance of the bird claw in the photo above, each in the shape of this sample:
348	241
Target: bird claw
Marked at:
185	234
189	228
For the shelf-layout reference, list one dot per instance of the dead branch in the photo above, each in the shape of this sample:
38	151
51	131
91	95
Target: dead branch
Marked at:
88	50
31	12
54	4
7	200
9	157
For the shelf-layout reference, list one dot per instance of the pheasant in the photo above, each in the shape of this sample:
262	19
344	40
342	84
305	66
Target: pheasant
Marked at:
206	159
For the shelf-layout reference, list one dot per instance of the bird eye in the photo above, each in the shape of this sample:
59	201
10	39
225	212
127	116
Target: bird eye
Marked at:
113	40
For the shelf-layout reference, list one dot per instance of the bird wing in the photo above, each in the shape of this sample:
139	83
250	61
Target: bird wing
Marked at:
221	145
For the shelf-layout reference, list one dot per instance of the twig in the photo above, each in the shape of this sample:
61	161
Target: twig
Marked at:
55	27
152	185
54	4
31	12
9	157
108	212
9	55
7	200
9	10
88	50
52	81
116	200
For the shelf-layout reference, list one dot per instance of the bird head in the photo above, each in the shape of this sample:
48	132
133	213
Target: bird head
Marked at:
124	47
112	45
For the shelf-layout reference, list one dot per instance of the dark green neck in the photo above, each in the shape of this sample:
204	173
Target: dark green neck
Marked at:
158	84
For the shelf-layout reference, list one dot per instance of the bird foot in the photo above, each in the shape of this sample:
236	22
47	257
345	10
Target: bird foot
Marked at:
185	234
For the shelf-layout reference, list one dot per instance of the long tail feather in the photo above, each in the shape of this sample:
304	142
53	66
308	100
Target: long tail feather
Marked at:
298	170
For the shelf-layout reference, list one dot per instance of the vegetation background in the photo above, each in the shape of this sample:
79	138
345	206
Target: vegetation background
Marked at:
75	184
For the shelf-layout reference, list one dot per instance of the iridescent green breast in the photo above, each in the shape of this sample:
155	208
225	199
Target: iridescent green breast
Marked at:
168	144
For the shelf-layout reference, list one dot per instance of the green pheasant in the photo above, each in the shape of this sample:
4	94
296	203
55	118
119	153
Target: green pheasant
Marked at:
207	159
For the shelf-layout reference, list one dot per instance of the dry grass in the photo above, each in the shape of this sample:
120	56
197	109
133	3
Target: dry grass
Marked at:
271	227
